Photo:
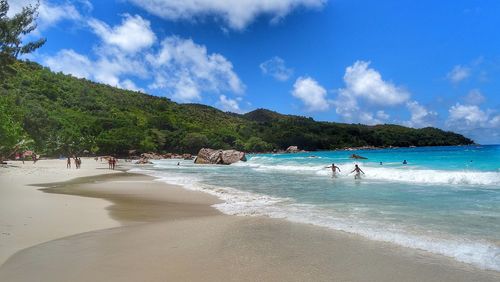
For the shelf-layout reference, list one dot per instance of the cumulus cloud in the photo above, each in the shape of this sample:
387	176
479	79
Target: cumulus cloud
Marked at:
235	15
481	125
185	69
227	104
365	86
49	13
177	67
70	62
311	93
276	68
366	83
466	116
458	74
420	116
133	34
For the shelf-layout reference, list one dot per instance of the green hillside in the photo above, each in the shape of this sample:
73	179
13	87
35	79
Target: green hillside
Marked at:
63	114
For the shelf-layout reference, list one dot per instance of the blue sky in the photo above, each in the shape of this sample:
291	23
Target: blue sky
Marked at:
415	63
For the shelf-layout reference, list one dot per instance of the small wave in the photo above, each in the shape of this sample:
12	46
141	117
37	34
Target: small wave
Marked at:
375	172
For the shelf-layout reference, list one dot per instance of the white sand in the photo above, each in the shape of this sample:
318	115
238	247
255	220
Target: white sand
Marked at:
29	216
166	233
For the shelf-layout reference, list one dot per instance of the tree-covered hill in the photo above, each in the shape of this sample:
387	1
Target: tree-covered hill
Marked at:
63	114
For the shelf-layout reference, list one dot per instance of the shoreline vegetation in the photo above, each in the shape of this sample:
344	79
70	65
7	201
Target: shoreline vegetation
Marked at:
57	114
154	231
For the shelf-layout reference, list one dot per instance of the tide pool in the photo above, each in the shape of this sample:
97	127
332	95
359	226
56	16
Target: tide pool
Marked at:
446	200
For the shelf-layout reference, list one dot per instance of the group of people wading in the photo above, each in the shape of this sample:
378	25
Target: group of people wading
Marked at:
357	170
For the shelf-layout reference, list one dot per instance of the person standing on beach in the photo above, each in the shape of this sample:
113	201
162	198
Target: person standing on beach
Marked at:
68	163
358	171
334	169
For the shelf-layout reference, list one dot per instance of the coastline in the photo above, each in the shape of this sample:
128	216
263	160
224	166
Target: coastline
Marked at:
175	234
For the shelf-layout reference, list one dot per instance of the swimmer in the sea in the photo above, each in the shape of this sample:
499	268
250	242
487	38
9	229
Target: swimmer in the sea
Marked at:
334	169
405	162
358	171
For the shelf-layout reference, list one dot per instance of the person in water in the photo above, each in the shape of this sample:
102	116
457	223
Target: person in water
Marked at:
358	171
405	162
334	169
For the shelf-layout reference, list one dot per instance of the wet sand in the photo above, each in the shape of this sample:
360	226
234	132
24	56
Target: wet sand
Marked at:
172	234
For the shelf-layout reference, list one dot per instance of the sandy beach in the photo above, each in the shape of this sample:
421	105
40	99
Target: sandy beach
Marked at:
98	225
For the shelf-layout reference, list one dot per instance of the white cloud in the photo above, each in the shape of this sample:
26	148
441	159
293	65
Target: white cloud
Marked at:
227	104
482	125
474	97
364	85
420	116
49	13
311	94
382	115
70	62
458	74
276	68
185	70
466	116
130	85
236	15
107	68
133	34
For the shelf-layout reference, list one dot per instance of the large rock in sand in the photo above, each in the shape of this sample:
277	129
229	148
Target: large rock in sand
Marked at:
211	156
292	149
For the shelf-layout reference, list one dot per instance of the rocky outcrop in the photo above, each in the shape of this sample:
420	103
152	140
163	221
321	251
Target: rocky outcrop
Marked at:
211	156
354	156
292	149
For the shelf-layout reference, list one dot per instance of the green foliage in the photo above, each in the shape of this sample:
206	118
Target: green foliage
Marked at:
12	30
66	115
255	144
12	135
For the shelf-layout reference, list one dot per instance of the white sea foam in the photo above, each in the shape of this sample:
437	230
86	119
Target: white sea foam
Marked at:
481	253
375	172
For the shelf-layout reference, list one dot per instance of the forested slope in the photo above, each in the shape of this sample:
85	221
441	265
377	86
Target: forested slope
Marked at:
63	114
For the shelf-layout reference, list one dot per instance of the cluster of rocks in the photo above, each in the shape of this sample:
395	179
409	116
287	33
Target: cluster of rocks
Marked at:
145	158
358	157
293	149
211	156
360	148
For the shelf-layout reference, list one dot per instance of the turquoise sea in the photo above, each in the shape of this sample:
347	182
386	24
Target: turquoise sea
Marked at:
446	200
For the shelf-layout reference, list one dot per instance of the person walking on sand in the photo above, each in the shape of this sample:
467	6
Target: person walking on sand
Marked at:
334	169
68	162
113	163
358	171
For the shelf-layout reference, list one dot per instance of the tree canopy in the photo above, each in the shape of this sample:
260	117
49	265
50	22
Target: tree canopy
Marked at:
12	34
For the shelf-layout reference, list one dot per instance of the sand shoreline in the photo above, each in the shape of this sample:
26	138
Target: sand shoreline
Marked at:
163	232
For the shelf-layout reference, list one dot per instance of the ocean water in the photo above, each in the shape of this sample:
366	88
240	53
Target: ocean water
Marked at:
446	200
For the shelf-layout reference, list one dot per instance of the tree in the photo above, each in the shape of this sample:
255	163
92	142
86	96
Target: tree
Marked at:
12	32
12	135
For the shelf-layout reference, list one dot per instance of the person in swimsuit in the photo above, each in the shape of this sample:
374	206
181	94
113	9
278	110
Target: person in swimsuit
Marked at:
334	169
358	172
